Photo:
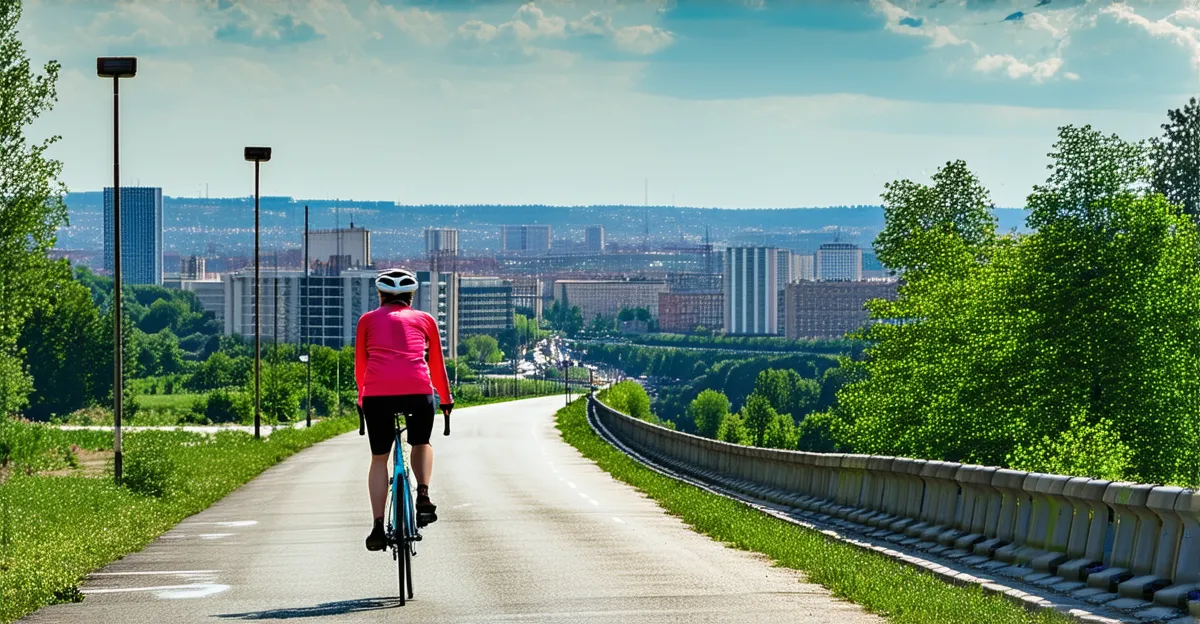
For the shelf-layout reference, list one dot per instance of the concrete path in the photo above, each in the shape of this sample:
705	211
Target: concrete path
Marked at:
529	531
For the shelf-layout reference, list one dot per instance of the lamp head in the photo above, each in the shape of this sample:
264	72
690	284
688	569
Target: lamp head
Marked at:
116	66
258	154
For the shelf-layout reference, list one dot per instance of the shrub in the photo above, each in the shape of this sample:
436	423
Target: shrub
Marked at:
629	397
818	433
223	406
708	411
148	471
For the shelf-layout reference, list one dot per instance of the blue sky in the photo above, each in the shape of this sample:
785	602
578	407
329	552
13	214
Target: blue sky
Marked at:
752	103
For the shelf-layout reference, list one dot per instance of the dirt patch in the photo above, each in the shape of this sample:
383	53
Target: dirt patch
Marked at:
89	463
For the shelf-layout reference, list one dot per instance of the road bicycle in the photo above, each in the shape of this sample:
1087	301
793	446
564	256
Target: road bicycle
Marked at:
402	531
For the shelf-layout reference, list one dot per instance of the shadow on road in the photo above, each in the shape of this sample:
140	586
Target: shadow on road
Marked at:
329	608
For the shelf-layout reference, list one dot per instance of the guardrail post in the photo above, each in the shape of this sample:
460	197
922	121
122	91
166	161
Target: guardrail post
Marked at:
1162	552
1089	528
1125	499
1008	483
1187	557
981	506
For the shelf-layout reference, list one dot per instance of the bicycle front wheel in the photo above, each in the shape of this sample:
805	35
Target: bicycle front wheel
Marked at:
401	545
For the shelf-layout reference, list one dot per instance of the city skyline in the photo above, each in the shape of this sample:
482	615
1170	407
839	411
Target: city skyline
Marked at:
737	105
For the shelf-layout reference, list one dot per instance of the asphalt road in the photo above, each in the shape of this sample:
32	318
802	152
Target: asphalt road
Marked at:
529	531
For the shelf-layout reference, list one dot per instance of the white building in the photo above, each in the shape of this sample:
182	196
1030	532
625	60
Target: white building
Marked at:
211	294
804	267
839	262
752	290
441	241
344	248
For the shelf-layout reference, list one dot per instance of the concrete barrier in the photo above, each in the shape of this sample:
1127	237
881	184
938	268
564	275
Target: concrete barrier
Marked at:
1126	545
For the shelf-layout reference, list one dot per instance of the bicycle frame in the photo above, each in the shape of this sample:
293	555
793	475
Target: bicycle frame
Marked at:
402	526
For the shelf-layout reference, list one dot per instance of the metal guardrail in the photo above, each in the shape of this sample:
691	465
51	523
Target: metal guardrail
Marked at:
1125	545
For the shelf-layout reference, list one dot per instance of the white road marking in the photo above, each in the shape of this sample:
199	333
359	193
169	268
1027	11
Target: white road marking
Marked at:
147	573
573	487
618	520
227	523
213	536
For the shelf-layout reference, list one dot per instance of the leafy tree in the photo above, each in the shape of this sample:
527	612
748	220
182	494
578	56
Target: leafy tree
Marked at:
630	398
708	411
601	325
733	430
218	371
63	346
223	406
820	432
787	391
163	314
1175	157
1084	449
956	204
758	415
31	200
481	349
780	433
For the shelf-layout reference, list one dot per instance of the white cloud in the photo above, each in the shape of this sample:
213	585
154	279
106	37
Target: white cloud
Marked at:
644	39
1186	36
422	26
1016	69
939	36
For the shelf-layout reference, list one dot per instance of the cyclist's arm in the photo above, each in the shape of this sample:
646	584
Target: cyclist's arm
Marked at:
360	355
437	364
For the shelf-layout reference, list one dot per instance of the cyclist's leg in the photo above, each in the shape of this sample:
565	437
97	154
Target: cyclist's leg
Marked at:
381	430
419	410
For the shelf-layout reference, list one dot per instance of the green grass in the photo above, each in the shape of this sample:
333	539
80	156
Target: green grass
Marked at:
56	529
900	592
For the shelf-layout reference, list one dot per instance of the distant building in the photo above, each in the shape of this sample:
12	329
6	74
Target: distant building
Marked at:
804	266
438	295
211	294
683	312
339	250
873	268
839	262
687	282
441	241
485	306
192	268
595	238
528	292
141	234
831	309
752	285
607	297
326	309
525	239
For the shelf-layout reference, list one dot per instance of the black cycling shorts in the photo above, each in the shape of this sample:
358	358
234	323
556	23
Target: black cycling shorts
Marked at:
381	411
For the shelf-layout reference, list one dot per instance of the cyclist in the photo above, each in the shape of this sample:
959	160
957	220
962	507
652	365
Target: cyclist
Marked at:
398	366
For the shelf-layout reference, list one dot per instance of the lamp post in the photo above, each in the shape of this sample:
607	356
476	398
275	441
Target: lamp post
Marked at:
257	155
307	329
117	67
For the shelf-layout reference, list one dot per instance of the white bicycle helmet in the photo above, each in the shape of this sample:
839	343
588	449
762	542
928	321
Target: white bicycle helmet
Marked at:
396	281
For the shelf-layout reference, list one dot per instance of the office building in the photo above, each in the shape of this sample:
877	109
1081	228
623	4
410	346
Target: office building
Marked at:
141	234
752	283
192	268
438	295
684	312
833	308
783	273
279	293
485	306
839	262
595	238
441	242
211	294
804	266
608	297
528	292
339	250
525	239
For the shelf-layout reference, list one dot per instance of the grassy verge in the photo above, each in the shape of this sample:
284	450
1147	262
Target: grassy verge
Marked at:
897	591
56	529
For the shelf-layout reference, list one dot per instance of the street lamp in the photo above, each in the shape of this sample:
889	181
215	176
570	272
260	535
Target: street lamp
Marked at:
258	155
117	68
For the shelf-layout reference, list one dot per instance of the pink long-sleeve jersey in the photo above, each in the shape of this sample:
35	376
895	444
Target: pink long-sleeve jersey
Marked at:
389	354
